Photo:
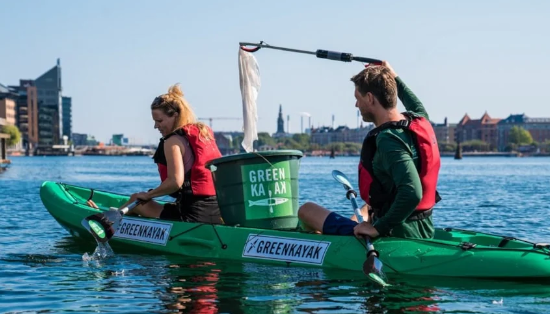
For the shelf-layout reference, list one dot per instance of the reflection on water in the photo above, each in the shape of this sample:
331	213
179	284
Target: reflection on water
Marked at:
129	283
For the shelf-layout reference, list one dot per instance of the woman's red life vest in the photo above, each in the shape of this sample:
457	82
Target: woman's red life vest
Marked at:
425	141
198	179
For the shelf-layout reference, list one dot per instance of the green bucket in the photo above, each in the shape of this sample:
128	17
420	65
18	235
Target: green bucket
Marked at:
258	190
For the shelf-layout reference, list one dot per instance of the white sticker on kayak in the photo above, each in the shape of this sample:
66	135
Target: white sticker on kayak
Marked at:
144	231
285	249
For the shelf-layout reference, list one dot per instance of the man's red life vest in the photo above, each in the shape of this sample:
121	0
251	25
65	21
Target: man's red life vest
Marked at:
198	179
425	141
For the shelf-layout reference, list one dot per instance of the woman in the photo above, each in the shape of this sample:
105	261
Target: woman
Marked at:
185	147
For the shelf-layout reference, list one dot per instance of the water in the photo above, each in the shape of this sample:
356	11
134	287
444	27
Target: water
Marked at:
43	269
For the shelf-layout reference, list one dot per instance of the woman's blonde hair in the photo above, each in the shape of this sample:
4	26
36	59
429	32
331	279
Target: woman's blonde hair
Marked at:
173	102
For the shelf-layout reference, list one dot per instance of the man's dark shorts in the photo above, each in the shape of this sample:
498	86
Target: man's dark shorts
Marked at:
337	224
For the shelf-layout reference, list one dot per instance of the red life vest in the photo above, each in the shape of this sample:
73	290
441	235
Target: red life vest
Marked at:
425	141
198	179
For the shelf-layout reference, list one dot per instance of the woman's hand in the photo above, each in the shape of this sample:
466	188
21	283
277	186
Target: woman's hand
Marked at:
143	197
365	229
92	204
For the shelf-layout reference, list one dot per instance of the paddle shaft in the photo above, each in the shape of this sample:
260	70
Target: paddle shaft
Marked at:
370	247
320	53
125	210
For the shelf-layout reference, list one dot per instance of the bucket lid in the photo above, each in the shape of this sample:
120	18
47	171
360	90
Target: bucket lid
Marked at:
267	153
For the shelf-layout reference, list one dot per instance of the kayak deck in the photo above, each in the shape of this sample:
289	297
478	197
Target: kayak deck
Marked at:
453	252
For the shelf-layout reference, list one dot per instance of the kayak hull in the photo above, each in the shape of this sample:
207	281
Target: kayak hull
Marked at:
452	253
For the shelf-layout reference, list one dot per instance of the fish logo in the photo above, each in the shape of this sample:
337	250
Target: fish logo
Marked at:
271	201
252	246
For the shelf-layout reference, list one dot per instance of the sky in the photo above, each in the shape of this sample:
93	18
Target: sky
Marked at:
458	57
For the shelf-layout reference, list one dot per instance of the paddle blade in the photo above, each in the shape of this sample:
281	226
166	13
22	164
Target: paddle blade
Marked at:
372	267
100	226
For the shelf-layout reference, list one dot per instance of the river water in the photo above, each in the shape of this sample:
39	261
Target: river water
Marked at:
42	269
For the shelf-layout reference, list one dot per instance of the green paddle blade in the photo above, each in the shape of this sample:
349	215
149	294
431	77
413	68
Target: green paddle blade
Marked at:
102	226
372	267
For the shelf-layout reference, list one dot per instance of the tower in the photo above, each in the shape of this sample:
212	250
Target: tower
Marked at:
280	121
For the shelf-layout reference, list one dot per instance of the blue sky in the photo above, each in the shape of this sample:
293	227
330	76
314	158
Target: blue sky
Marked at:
116	56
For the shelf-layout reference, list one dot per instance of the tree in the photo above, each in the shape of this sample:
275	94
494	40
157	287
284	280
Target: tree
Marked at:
290	143
519	136
303	140
265	139
337	146
447	147
13	131
352	148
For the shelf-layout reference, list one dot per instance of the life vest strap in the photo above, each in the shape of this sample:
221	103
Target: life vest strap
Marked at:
420	214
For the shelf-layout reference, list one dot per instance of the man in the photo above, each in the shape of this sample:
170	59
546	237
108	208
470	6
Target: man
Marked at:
399	164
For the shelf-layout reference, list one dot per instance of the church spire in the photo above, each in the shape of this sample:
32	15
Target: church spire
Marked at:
280	121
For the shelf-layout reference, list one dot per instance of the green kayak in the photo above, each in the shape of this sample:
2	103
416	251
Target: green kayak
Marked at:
453	253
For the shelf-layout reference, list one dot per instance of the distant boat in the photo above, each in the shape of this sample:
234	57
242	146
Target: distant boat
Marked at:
458	152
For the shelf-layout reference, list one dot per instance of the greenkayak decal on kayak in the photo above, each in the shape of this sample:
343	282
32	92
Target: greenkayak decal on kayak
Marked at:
147	231
267	191
97	228
285	249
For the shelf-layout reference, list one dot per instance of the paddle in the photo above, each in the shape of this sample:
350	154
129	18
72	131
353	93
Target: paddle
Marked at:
104	225
372	267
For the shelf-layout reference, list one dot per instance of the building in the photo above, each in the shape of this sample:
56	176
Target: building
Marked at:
538	127
343	134
4	162
7	105
27	112
117	139
66	103
50	108
444	132
79	139
3	149
484	129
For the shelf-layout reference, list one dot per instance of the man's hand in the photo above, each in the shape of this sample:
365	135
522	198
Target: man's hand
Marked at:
387	65
365	229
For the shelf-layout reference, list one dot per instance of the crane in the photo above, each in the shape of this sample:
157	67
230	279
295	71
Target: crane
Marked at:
219	118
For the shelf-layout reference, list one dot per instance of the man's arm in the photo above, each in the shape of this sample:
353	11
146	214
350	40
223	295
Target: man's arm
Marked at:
407	97
398	163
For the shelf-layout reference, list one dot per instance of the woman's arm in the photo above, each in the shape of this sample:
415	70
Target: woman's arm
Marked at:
174	151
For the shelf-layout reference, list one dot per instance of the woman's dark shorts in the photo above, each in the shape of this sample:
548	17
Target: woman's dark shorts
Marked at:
203	209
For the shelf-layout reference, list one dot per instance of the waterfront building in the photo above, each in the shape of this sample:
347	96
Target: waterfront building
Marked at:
538	127
444	132
27	112
50	108
66	103
7	105
484	129
326	135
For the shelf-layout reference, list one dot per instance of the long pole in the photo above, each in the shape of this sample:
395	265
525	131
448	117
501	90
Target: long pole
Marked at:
320	53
